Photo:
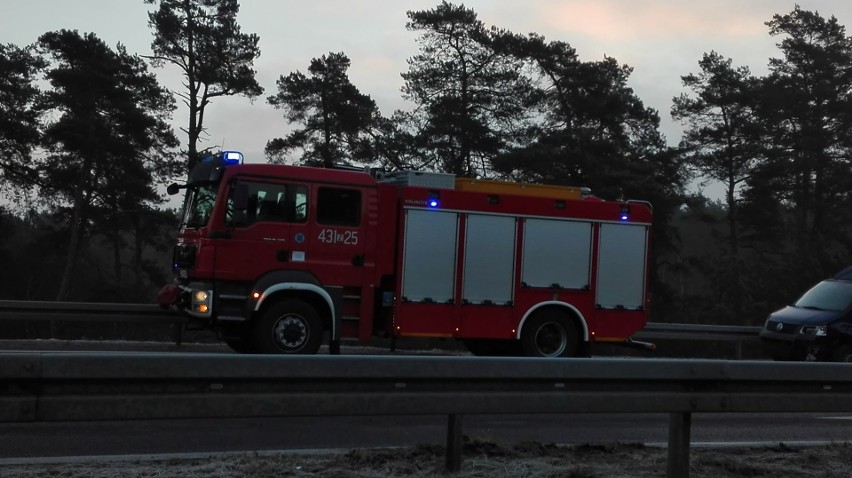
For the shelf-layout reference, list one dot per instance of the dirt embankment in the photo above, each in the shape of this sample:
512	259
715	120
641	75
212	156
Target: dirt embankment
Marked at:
480	460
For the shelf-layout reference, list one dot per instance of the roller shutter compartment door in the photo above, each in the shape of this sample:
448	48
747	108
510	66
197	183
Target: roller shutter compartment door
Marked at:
621	266
429	263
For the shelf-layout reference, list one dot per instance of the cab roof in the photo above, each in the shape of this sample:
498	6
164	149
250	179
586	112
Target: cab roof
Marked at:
304	173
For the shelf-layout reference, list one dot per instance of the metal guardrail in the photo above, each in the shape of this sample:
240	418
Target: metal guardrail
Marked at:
92	312
85	311
39	387
659	331
150	313
739	335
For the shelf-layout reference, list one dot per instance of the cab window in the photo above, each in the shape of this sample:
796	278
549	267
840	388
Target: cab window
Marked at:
338	207
272	202
199	206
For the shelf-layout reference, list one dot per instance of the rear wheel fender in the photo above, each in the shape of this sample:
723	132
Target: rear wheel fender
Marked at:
551	332
581	324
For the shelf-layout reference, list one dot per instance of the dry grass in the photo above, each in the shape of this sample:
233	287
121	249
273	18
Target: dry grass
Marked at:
480	460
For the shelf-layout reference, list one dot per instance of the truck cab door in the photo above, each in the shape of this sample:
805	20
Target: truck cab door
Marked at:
337	250
267	229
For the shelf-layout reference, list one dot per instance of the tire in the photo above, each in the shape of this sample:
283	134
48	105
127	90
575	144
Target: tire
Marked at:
289	326
549	334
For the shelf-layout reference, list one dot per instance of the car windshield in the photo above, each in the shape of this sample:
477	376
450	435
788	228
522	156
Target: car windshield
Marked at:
827	295
199	206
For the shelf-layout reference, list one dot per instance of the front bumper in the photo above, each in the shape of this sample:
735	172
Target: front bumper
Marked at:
792	346
194	299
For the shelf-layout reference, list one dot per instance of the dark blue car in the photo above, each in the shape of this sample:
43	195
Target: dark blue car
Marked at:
818	326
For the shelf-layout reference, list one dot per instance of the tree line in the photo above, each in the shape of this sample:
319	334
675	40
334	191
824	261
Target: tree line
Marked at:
82	158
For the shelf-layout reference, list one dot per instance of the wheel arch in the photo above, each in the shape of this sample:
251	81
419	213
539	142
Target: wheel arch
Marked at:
569	309
313	294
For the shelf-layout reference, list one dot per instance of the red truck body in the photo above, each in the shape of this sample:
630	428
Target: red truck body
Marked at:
278	258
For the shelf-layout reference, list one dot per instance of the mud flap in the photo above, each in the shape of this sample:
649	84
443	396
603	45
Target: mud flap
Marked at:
168	296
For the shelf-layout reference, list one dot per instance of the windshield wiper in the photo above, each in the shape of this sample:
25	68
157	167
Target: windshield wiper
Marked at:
811	307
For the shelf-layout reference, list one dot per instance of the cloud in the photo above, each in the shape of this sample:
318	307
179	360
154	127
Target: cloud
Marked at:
613	21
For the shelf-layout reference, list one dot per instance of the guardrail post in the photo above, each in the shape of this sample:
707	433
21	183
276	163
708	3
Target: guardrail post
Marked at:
454	442
180	326
679	431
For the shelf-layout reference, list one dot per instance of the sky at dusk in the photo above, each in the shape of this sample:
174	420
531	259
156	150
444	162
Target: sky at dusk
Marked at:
661	39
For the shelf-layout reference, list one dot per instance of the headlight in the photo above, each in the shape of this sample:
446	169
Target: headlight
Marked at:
201	301
815	330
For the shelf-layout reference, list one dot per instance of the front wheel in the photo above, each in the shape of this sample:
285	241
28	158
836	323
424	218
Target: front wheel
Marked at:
289	326
549	334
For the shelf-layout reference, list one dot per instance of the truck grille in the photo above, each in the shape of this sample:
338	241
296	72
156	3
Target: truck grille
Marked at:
772	326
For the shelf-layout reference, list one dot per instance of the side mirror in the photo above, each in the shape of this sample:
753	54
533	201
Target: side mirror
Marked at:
173	189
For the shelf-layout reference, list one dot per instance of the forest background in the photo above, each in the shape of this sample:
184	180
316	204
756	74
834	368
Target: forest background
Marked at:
86	146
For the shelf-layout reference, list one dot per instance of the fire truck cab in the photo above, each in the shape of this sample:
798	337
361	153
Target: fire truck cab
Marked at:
277	258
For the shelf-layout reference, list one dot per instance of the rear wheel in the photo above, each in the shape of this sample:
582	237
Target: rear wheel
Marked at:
550	334
289	326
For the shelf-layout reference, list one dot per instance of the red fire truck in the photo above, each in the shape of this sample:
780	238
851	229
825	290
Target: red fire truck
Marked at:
277	258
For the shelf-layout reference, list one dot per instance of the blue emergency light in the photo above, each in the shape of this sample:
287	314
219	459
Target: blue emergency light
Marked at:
625	213
228	157
232	157
433	200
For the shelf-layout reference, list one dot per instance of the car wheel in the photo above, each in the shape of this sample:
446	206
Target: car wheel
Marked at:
550	334
289	326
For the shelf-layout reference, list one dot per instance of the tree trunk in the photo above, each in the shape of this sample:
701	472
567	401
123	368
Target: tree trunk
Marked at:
73	246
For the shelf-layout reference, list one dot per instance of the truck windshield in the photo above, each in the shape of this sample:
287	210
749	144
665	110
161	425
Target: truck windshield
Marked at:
827	295
199	206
